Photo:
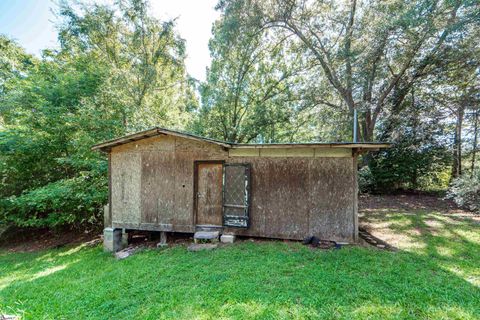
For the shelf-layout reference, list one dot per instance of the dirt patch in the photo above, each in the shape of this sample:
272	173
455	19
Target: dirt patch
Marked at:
29	240
411	204
403	220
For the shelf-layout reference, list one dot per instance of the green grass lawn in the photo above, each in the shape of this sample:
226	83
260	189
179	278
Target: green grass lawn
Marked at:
435	275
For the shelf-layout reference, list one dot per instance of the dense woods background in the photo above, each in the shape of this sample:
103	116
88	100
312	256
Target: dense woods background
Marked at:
281	70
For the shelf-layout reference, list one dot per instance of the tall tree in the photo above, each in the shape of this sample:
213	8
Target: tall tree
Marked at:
145	58
261	86
14	63
117	70
455	91
475	140
370	52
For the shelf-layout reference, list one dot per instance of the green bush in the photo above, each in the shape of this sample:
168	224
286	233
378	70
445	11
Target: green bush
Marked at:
465	191
409	165
75	202
366	182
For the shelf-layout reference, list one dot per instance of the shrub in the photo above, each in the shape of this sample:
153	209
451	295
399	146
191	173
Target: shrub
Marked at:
366	182
409	166
465	191
74	202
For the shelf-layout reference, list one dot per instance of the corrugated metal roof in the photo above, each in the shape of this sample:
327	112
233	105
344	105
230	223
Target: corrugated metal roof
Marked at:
107	145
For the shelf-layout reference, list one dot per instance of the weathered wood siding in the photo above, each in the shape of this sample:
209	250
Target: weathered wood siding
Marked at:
293	195
209	188
152	182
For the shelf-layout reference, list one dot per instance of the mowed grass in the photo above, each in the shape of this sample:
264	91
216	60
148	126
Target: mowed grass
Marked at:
437	278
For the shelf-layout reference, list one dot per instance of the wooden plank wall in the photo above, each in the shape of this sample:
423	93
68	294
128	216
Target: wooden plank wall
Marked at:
126	182
153	180
295	197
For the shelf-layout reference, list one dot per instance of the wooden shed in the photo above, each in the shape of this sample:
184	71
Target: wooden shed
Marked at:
165	180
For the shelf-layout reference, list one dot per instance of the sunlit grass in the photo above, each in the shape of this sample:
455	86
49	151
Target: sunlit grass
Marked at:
451	240
436	278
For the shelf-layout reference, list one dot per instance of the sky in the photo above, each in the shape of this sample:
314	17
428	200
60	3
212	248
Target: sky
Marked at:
32	24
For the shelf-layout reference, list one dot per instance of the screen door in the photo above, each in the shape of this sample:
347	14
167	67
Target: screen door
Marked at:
236	194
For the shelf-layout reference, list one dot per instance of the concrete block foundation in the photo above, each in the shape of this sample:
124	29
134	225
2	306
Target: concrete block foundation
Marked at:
124	239
227	238
112	239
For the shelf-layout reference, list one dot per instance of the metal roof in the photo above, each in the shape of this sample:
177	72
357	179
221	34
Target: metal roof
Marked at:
107	145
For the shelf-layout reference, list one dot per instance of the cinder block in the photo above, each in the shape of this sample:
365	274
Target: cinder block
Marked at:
227	238
112	239
210	236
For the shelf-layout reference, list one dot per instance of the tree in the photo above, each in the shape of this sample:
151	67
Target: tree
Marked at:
145	59
419	157
455	91
370	52
14	63
117	70
248	94
475	140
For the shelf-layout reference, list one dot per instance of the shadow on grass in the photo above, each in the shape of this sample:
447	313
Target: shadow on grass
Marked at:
451	240
245	280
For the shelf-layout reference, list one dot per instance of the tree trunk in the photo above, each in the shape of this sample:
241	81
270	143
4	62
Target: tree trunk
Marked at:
415	125
367	127
475	141
457	143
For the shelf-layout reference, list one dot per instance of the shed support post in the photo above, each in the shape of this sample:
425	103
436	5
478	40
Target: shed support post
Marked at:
107	217
355	197
124	238
163	239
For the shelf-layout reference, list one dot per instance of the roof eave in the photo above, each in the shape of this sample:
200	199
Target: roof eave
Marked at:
106	146
369	146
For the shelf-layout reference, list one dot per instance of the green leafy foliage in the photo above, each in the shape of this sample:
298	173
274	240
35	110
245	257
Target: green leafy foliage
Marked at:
250	93
465	191
420	157
281	71
417	160
75	202
118	70
407	167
